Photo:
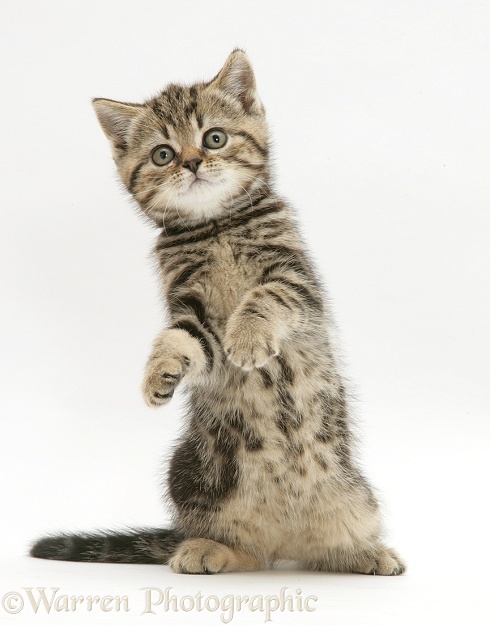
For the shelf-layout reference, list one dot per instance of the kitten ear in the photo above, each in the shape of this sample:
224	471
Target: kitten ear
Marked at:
237	79
115	119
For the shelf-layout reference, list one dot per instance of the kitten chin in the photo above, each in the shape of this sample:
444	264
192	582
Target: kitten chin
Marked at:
205	199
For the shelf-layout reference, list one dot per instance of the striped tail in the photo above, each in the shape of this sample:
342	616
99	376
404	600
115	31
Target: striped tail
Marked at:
142	546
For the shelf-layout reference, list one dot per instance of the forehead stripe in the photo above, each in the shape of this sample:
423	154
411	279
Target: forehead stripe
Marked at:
253	141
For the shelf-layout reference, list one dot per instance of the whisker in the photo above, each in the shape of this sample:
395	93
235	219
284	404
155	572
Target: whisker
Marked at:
249	196
161	185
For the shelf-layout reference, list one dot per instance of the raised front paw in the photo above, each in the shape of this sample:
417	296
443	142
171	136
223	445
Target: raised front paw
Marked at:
162	376
175	354
250	342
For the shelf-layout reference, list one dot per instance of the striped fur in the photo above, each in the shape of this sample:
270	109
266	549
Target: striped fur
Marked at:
265	469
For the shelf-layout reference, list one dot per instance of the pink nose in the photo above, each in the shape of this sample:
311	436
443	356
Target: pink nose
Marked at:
192	164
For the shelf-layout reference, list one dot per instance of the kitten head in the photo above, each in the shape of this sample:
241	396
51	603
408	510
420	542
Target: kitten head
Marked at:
192	153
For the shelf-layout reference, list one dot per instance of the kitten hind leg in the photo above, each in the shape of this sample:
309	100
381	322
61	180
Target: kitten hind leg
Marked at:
204	556
376	559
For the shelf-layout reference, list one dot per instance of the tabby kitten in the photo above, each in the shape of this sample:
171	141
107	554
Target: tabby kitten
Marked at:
265	469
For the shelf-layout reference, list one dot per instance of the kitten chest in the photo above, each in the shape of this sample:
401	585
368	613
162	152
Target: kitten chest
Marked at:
218	274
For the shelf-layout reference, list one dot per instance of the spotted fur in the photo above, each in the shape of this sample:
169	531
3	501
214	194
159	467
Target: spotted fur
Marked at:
265	469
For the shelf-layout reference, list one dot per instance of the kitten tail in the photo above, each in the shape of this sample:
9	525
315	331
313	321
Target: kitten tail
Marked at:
141	546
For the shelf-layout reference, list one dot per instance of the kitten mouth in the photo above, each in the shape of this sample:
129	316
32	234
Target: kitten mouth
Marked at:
198	181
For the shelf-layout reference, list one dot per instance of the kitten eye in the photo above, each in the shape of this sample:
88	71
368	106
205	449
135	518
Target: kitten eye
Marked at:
215	138
162	155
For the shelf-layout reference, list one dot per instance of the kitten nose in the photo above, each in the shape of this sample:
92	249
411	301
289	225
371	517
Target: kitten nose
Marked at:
192	164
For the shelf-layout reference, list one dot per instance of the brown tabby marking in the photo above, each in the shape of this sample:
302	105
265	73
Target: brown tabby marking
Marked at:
265	469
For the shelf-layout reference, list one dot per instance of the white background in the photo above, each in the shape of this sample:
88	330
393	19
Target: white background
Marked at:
380	117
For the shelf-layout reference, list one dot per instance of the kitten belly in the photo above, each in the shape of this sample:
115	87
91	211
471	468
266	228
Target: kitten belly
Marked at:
293	500
292	509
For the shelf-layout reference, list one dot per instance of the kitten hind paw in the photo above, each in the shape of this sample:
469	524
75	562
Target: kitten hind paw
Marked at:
200	556
381	562
205	556
377	560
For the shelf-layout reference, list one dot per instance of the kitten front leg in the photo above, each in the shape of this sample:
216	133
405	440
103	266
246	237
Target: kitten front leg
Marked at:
175	355
256	329
250	341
